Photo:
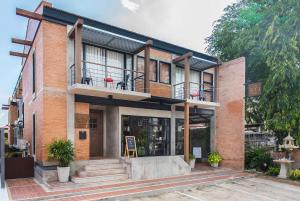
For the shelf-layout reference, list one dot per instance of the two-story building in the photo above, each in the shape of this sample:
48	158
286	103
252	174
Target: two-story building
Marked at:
94	84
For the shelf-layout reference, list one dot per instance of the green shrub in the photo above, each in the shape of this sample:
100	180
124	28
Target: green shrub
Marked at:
61	150
294	174
214	157
258	158
273	171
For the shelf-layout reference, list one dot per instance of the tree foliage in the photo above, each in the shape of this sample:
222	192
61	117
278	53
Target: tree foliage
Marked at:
266	32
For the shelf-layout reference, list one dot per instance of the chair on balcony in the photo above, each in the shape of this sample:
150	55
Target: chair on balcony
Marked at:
87	79
200	94
124	84
110	81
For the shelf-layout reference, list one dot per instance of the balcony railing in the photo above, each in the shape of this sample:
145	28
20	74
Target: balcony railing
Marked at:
100	75
197	91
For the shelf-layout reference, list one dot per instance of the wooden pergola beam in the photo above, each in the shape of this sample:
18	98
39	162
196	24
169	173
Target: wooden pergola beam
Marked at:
78	24
22	42
148	43
186	133
182	57
77	34
29	14
147	69
18	54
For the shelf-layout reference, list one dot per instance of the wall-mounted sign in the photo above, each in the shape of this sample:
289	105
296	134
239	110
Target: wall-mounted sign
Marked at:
130	146
82	135
81	120
254	89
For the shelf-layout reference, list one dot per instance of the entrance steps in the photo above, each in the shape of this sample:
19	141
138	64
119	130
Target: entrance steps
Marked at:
101	171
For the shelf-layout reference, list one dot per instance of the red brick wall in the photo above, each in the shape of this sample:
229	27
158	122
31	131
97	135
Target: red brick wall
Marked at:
49	101
54	83
229	139
33	103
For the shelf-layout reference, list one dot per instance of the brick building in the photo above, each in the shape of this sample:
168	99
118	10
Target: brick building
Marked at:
94	84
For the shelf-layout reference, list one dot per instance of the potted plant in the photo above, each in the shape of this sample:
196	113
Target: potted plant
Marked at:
214	159
192	160
63	151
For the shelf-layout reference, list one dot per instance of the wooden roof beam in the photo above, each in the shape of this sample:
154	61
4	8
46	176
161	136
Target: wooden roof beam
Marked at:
18	54
148	43
78	23
22	42
180	58
29	14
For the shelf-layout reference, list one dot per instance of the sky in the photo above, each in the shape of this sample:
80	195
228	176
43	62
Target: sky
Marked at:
182	22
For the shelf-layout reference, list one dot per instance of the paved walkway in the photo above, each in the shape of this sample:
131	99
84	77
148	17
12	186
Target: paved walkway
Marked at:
246	189
29	189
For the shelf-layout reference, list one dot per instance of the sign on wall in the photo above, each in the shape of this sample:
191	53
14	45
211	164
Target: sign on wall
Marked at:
254	89
81	120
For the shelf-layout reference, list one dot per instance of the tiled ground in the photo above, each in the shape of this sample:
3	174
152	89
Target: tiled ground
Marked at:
29	189
247	189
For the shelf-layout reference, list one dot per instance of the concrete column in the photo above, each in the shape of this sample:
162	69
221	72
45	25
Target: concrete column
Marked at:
173	129
213	133
70	118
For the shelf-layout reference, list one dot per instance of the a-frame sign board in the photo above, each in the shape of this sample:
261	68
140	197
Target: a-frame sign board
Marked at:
130	146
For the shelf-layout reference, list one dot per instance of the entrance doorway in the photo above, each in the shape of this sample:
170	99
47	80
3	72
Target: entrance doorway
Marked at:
96	133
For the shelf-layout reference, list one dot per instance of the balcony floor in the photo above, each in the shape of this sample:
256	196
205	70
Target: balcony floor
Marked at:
83	89
200	104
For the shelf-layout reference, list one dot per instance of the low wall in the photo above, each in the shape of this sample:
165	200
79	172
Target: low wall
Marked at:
158	167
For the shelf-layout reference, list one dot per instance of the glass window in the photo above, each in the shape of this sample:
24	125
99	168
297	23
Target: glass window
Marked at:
179	137
208	86
199	137
153	68
33	133
152	134
33	72
164	72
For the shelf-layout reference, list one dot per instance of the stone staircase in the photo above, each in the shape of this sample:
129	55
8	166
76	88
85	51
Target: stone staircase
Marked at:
101	171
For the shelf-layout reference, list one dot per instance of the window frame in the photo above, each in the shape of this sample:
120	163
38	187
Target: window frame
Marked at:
33	134
33	73
156	67
170	72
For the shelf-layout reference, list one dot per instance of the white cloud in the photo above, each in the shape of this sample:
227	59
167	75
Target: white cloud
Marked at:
130	5
184	23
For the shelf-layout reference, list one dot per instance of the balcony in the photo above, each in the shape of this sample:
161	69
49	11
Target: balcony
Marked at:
201	95
108	81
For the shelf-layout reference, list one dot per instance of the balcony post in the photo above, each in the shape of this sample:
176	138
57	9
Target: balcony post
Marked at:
78	48
186	132
186	108
186	77
147	68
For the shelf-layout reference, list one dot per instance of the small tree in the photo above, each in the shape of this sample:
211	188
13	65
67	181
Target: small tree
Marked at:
61	150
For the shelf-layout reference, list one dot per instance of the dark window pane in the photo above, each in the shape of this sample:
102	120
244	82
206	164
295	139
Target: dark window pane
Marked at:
153	68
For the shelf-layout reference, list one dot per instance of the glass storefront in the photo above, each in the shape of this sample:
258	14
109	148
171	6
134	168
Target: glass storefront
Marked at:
152	134
199	137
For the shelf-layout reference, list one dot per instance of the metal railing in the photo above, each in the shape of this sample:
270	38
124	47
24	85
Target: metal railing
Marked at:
197	91
96	74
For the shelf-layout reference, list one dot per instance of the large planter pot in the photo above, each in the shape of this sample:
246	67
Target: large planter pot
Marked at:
215	165
63	174
192	163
